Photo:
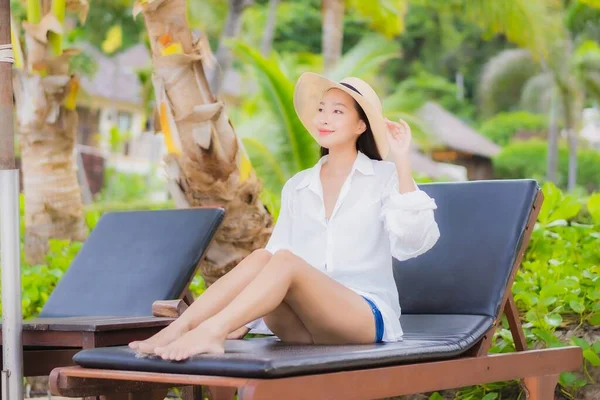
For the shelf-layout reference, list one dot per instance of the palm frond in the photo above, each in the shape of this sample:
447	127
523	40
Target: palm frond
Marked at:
537	93
297	145
265	164
366	58
503	78
533	24
586	66
384	16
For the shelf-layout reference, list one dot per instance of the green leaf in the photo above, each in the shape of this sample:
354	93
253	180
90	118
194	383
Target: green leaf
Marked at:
568	208
592	357
558	288
548	338
577	306
436	396
365	58
553	319
567	378
549	300
552	196
490	396
529	299
580	342
593	206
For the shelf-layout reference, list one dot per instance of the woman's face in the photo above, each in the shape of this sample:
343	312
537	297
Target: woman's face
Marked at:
337	123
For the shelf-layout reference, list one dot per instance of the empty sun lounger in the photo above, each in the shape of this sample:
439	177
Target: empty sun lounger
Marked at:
130	260
452	300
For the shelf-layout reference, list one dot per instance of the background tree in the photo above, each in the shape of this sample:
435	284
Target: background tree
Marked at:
45	91
559	84
207	164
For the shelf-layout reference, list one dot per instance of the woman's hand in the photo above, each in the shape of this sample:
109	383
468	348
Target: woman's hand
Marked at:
399	137
238	333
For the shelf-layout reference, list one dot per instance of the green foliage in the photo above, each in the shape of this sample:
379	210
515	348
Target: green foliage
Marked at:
127	187
423	86
582	20
527	159
503	126
558	285
39	281
298	149
104	15
559	282
366	58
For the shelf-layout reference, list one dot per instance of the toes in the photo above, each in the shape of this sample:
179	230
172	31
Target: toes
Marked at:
178	355
159	351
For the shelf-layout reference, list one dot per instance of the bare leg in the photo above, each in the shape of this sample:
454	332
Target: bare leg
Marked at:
287	326
217	296
331	312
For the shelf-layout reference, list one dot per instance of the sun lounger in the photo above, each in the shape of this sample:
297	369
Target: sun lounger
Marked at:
452	298
130	260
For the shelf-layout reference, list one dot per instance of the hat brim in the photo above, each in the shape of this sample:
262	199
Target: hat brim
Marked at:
309	92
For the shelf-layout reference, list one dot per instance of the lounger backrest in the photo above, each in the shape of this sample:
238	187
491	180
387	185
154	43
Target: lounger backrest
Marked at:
132	259
481	228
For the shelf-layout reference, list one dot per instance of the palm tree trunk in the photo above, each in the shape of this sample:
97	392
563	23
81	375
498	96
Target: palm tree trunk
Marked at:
47	129
333	31
207	164
570	126
269	33
232	28
552	166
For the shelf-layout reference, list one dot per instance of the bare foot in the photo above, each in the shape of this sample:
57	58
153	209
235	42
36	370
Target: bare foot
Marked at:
204	339
163	338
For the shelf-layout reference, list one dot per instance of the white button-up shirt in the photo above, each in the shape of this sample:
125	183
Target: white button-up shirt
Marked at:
370	223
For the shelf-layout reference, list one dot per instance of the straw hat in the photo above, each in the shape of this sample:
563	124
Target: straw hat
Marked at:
311	87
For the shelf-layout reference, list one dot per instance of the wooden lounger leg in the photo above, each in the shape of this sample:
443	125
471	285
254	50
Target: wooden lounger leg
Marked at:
220	392
192	393
540	387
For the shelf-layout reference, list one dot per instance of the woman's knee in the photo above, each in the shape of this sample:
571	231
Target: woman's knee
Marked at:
261	255
285	257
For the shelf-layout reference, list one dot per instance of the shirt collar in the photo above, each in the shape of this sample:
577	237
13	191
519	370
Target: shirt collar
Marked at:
362	164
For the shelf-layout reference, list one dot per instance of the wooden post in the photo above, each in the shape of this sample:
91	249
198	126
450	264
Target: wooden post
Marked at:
7	141
12	327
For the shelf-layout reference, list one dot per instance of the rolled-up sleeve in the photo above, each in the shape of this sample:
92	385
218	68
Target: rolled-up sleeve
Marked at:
409	220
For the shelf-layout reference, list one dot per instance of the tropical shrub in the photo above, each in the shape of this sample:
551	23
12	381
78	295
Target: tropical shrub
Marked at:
527	159
504	126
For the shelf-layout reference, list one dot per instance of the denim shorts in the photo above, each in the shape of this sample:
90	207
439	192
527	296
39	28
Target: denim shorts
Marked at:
378	320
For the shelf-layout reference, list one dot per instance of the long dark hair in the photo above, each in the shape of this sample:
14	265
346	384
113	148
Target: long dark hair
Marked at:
366	140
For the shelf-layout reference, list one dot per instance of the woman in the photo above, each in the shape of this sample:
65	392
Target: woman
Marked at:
325	276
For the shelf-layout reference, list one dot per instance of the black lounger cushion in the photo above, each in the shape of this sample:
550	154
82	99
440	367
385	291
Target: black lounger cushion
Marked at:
132	259
426	337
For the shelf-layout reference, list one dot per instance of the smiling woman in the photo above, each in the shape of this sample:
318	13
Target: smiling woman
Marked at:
340	224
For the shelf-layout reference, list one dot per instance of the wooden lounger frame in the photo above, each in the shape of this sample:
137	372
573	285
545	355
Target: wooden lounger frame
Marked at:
538	369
